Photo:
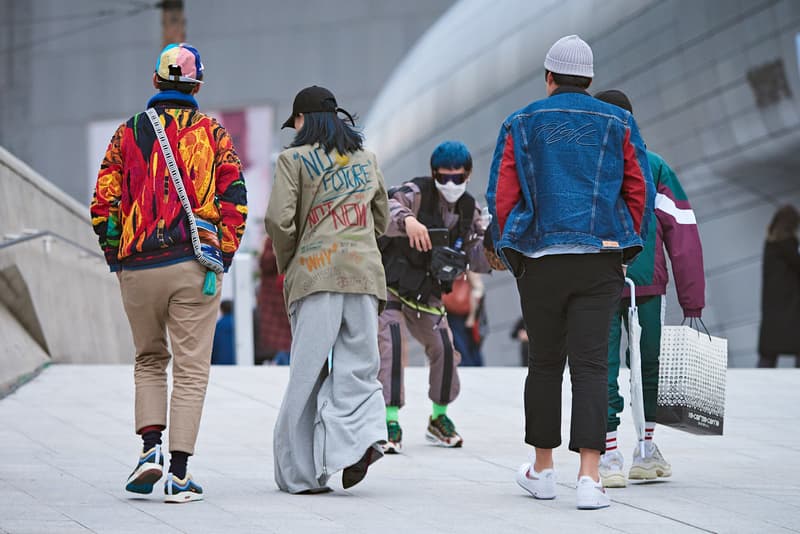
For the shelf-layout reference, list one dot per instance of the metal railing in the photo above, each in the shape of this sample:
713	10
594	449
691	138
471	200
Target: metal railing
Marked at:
10	240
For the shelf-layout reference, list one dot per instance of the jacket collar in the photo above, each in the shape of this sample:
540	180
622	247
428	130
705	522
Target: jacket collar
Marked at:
561	89
173	98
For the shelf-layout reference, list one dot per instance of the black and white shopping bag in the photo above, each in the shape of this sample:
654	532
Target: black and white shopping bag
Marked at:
691	381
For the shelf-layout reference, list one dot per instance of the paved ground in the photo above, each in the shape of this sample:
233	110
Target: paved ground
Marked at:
67	446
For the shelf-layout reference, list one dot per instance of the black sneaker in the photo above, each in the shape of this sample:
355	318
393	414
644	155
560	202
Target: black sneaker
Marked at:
394	445
148	471
442	432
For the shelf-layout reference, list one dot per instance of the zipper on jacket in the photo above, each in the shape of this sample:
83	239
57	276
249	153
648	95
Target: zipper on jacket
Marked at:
161	225
160	233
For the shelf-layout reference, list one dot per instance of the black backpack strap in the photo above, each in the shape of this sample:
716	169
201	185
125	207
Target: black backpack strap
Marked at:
429	213
466	212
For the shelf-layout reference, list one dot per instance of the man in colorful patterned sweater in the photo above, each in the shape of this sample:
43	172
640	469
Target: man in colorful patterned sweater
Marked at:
145	235
675	229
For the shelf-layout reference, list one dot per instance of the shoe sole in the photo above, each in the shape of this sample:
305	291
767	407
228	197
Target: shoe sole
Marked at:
315	491
617	480
392	448
532	494
641	473
143	479
431	438
183	497
592	506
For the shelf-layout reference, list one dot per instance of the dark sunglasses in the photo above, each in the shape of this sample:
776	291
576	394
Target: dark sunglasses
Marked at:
457	178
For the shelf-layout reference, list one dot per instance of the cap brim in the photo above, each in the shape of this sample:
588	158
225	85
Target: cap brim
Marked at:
289	123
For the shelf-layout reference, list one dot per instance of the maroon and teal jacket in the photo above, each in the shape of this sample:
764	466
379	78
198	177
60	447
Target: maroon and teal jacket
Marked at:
675	230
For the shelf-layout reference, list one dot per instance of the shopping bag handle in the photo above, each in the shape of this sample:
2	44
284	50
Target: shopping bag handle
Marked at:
693	321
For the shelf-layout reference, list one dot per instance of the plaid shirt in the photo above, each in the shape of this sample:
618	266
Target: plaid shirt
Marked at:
274	332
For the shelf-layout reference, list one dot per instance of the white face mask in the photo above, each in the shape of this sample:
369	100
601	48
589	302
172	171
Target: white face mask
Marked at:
450	191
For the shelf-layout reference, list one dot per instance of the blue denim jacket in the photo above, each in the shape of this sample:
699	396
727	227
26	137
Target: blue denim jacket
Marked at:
569	170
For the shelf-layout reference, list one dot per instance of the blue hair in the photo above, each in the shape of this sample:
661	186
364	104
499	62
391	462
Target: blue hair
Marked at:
451	155
329	130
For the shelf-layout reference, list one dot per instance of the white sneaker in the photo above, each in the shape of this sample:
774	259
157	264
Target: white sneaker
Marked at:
652	466
540	485
611	475
591	494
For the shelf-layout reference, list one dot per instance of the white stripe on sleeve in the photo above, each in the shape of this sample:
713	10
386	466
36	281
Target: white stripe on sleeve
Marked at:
667	205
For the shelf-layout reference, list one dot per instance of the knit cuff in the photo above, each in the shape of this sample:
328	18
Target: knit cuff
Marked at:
692	313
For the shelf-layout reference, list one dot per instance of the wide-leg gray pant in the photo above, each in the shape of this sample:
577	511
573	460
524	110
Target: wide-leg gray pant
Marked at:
328	419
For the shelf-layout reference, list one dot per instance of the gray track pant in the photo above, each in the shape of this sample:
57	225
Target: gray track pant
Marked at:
328	420
434	335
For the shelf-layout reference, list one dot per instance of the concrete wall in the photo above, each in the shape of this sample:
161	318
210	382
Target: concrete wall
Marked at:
685	65
59	75
58	302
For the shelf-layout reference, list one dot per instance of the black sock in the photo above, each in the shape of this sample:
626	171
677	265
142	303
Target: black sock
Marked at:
177	464
151	438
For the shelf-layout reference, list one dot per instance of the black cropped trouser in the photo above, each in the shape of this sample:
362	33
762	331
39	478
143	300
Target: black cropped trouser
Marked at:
567	302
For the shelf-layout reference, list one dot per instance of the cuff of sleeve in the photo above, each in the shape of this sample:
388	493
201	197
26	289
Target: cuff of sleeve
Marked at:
401	225
115	267
688	313
227	259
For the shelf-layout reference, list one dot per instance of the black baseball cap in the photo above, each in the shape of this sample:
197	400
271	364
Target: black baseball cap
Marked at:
616	97
310	100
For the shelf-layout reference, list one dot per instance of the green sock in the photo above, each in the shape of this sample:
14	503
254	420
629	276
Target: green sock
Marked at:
392	413
438	409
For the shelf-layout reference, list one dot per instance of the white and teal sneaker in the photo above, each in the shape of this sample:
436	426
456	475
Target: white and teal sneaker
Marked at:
180	491
148	471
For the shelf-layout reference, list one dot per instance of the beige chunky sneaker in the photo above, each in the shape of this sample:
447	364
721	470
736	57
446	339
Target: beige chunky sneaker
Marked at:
651	466
611	464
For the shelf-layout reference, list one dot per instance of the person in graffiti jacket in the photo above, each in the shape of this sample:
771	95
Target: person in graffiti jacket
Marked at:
414	303
327	209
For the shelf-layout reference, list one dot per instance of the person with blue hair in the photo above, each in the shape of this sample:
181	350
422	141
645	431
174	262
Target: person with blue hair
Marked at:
435	232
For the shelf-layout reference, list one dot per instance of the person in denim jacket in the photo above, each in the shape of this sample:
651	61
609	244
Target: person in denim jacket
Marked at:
571	195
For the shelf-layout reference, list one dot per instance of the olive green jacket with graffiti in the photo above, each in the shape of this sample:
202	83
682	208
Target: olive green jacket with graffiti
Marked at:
325	214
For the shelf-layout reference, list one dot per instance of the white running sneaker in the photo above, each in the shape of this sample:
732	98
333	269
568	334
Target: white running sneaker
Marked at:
652	466
611	475
540	485
591	494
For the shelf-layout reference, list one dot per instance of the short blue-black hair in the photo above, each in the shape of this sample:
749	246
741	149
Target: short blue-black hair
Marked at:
451	155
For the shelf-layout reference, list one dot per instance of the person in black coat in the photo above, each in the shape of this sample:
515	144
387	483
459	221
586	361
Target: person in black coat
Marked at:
780	296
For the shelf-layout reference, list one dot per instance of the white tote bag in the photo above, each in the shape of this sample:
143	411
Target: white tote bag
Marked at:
691	380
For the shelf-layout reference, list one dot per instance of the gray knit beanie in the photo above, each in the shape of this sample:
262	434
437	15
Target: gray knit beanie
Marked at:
570	55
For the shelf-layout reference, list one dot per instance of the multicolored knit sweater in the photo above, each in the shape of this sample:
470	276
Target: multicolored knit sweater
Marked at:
135	210
676	229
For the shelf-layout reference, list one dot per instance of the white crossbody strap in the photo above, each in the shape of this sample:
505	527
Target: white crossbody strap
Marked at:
177	181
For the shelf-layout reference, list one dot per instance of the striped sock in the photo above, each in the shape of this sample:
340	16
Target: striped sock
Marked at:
649	430
611	441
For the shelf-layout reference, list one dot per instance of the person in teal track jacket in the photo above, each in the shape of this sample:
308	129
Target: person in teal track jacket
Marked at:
676	231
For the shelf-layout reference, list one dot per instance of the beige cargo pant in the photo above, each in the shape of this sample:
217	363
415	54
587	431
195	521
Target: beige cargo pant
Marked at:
171	299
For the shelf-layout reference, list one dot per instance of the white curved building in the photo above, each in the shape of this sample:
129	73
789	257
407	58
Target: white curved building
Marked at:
714	86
